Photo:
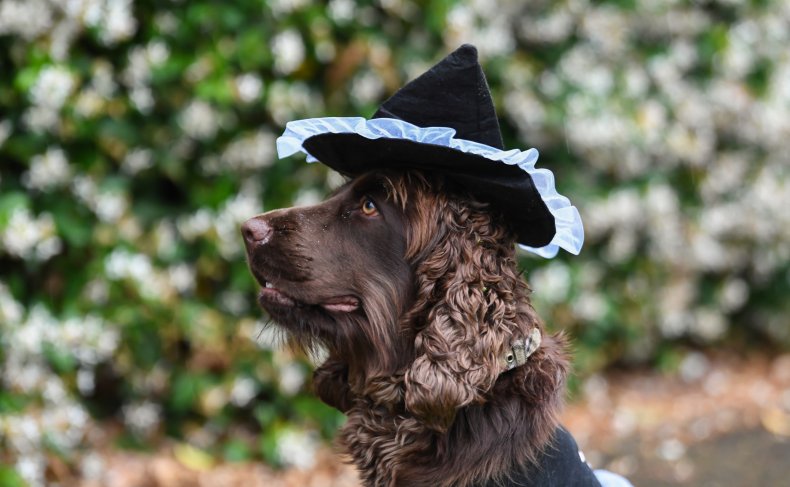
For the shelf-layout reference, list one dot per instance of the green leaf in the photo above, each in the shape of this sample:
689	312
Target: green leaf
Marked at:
236	451
60	360
76	230
265	414
11	403
185	392
10	202
268	446
9	478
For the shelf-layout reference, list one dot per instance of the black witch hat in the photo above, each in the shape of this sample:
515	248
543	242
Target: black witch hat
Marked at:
444	121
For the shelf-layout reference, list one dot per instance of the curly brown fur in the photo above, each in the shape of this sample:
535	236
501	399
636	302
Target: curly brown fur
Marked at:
417	367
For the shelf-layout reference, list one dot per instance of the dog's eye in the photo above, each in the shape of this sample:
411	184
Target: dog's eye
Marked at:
369	207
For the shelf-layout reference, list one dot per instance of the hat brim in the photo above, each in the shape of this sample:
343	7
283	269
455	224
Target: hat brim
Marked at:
498	184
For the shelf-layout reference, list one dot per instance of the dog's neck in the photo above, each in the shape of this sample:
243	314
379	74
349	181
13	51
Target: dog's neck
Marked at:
392	448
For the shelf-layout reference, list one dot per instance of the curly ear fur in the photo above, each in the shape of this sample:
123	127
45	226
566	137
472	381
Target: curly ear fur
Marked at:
466	309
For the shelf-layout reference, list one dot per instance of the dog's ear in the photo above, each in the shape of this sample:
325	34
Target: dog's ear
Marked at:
463	316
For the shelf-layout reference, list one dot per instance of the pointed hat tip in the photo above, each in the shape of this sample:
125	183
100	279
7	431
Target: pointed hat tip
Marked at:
468	52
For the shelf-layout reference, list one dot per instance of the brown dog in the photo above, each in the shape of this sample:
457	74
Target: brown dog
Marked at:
411	285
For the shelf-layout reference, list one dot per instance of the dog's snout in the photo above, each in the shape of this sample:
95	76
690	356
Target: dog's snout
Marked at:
256	230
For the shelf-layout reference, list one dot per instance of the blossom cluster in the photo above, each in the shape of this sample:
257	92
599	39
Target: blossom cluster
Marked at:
54	417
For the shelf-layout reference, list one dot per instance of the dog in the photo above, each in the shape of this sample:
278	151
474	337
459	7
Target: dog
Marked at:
434	352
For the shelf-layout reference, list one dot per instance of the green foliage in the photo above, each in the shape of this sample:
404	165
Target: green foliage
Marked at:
9	478
130	152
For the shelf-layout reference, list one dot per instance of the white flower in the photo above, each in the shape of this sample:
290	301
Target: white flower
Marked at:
249	152
551	28
193	226
40	119
110	206
89	103
48	248
590	306
341	11
325	51
97	291
622	245
708	324
243	391
30	238
694	366
367	88
142	98
292	378
26	377
288	50
48	170
11	311
552	282
32	469
52	87
61	38
92	466
26	18
121	264
708	253
142	418
182	277
116	23
65	423
157	52
298	448
287	101
136	160
234	302
24	433
249	86
199	120
734	294
103	80
280	7
54	391
86	382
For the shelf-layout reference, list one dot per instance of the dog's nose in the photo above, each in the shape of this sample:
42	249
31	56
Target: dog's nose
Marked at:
256	230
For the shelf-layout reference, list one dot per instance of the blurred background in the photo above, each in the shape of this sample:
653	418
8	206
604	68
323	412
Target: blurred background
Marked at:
135	137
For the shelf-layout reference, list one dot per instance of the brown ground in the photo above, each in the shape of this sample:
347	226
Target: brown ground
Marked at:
721	421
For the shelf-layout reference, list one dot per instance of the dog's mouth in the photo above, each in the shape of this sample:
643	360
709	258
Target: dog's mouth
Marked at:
271	295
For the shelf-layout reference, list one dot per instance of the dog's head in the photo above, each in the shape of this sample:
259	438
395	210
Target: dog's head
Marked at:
408	283
330	272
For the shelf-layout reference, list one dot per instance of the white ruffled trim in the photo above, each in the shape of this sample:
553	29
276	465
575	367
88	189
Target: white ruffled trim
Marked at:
569	230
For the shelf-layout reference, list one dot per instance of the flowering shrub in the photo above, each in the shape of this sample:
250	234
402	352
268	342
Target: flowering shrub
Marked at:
135	137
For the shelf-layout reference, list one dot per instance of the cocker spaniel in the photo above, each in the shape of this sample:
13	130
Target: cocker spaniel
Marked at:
434	352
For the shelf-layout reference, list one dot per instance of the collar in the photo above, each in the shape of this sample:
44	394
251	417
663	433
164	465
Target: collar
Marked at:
520	350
